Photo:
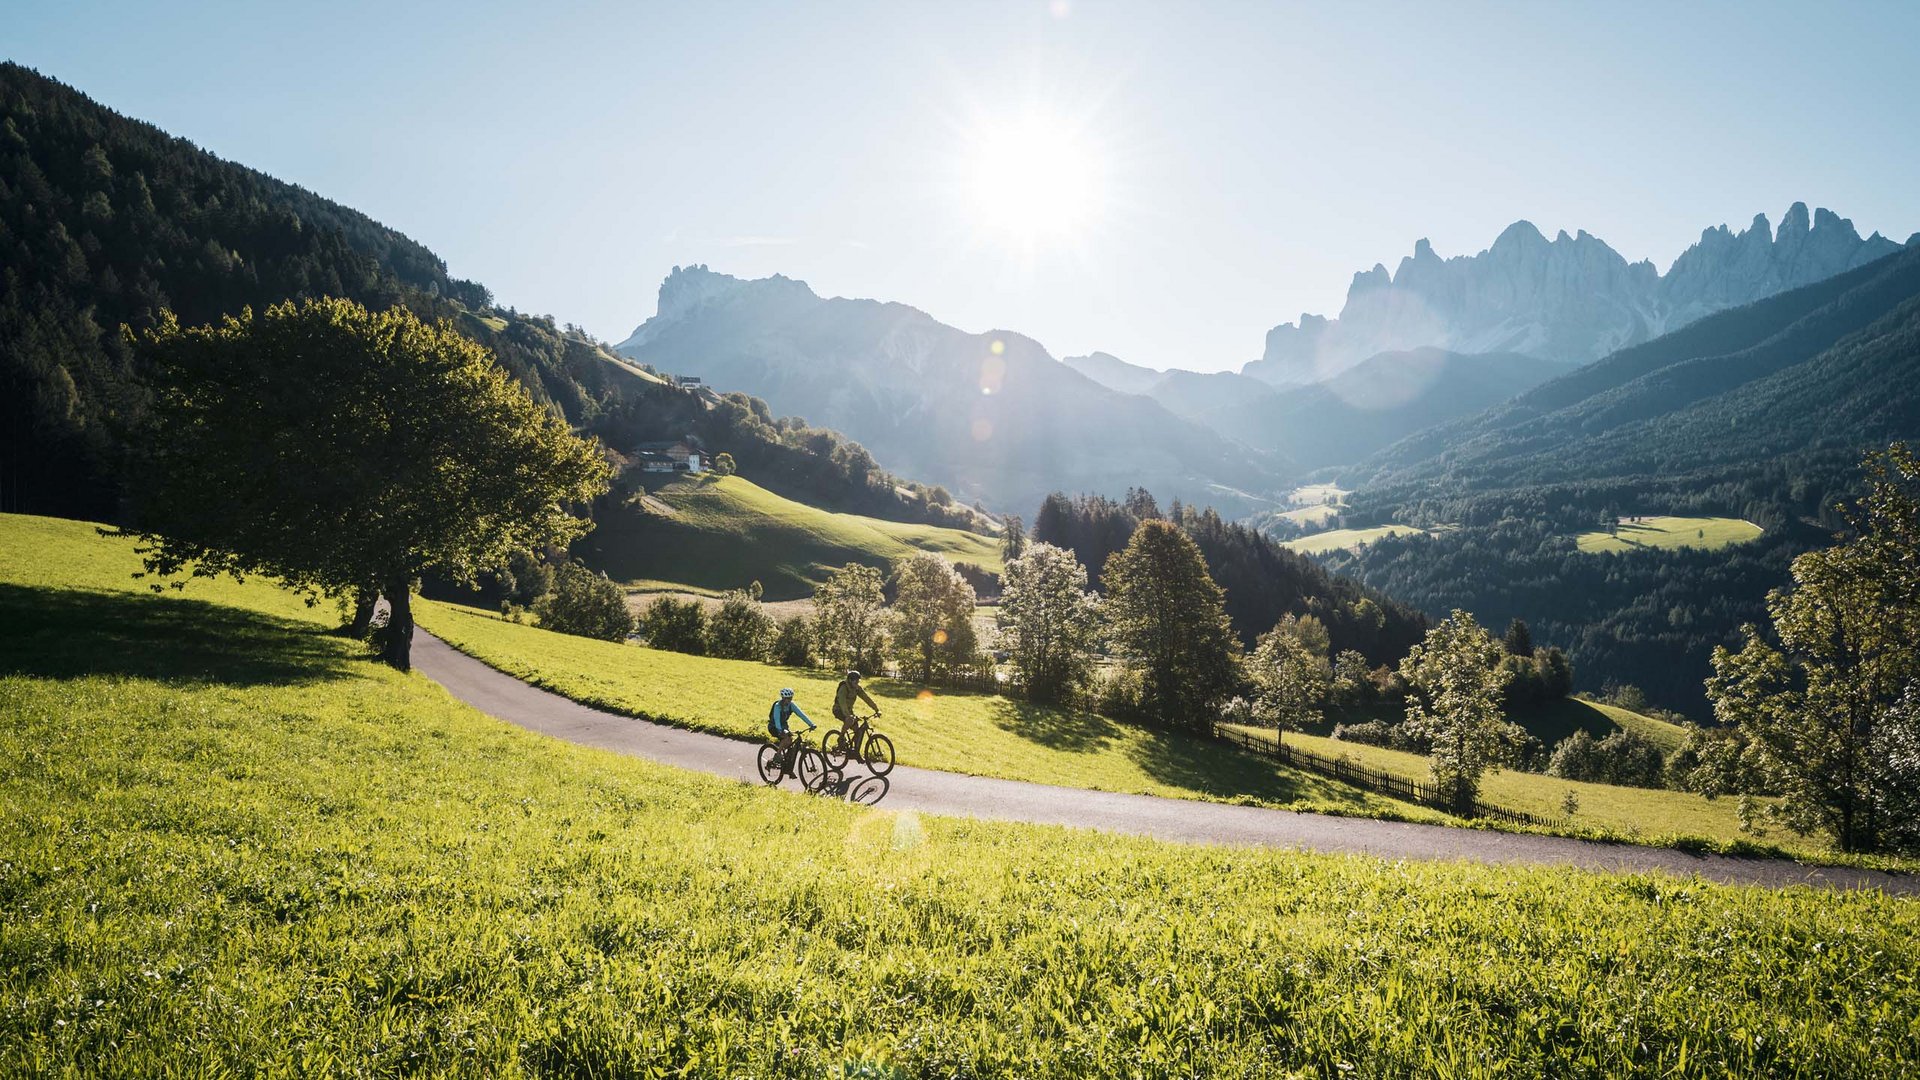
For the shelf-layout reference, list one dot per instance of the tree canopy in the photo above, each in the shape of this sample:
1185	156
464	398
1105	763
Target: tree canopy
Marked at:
1827	704
1048	620
1169	618
339	449
933	614
1454	681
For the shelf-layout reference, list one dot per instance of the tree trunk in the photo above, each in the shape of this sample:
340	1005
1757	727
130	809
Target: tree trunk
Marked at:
363	605
399	650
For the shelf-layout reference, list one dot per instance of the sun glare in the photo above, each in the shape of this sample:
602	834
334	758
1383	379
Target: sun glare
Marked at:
1035	178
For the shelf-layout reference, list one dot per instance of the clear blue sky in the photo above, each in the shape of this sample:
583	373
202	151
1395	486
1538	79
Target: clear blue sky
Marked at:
1211	170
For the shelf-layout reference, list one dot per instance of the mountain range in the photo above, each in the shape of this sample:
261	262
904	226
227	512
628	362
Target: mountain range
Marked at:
992	416
1829	367
1571	300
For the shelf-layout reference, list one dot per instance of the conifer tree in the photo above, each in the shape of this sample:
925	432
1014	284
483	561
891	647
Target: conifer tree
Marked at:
1169	618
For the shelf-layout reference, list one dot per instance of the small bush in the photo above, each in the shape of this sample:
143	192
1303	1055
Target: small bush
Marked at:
677	625
793	642
585	603
740	630
1623	758
1368	733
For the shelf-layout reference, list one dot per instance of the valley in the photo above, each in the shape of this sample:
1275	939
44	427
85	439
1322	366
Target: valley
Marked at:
1510	672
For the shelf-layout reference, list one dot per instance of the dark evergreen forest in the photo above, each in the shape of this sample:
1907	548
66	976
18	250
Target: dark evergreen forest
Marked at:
107	223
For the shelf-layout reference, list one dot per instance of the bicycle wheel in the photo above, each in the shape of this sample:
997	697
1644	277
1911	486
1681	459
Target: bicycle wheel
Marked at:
811	769
770	764
879	754
833	747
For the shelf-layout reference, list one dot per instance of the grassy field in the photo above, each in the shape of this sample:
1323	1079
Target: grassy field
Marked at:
1631	813
1670	532
725	532
1561	718
1335	539
981	734
235	847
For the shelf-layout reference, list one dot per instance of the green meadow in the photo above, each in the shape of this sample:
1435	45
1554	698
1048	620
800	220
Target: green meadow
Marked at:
1669	532
1335	539
1643	815
718	533
958	731
234	846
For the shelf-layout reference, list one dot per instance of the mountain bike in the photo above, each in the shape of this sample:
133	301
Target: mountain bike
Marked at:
872	749
801	760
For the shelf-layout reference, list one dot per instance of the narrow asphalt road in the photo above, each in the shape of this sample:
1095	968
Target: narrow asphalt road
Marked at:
1182	820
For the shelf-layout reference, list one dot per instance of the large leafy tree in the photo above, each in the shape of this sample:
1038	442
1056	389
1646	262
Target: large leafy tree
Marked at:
1169	618
1829	709
1048	620
849	615
341	449
932	614
1291	674
1454	680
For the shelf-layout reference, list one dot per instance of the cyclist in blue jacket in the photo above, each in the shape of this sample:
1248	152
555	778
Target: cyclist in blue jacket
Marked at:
778	717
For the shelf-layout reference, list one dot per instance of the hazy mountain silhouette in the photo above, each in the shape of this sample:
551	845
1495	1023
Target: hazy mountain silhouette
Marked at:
1569	299
992	416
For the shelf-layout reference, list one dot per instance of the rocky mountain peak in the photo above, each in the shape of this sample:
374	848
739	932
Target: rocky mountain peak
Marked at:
1572	299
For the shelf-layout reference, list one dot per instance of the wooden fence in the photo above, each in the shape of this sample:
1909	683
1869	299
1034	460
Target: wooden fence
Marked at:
1341	769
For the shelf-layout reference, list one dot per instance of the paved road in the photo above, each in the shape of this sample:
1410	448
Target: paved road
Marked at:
1168	819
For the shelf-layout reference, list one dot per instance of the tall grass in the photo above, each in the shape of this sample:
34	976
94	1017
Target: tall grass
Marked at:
242	849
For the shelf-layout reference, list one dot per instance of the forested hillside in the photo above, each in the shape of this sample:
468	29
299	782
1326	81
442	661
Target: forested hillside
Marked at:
107	222
1835	365
1759	413
1263	581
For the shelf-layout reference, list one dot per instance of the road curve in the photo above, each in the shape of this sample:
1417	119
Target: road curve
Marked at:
1182	820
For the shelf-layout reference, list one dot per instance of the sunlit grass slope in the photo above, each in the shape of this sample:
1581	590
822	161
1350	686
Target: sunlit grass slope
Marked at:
982	734
1335	539
1670	532
1624	812
726	532
241	849
1560	719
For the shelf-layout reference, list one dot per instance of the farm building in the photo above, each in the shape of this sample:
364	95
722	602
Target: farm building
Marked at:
675	455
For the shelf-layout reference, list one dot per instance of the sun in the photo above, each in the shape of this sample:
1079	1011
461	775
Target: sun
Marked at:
1034	177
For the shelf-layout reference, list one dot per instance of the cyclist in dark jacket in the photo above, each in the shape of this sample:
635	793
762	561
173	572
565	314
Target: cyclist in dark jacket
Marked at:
844	696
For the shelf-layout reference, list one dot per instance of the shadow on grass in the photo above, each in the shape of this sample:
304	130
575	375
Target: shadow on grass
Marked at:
1056	727
1220	771
1558	719
70	633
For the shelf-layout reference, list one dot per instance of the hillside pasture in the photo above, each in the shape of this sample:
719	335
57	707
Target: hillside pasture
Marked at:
1635	534
1641	815
240	848
1339	539
724	532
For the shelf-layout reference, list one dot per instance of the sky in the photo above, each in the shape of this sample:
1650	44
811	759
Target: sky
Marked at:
1164	182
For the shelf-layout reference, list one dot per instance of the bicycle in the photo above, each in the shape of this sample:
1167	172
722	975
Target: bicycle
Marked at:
870	748
802	761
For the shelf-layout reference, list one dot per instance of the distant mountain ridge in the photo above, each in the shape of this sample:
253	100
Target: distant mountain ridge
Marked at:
1114	373
992	416
1572	299
1831	367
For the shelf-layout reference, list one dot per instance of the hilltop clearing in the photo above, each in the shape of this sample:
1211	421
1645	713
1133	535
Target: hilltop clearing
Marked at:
717	533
